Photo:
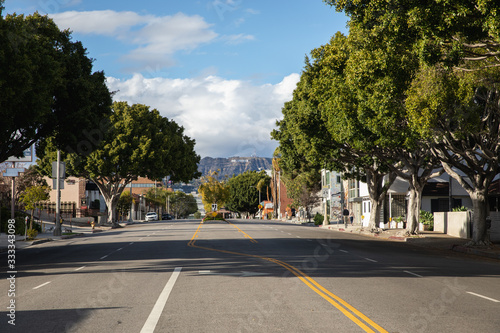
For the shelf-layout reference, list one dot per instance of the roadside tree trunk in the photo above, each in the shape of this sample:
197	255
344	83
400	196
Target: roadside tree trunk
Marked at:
111	193
480	209
377	190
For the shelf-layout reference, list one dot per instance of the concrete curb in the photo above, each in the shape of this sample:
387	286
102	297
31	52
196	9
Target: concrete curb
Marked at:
477	252
423	240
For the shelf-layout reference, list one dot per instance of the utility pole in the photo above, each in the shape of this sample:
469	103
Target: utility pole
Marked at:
57	229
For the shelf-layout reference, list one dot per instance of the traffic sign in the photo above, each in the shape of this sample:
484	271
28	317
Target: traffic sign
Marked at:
214	207
13	172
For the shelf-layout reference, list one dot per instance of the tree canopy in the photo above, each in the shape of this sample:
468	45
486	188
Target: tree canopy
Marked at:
47	86
213	190
410	79
244	191
136	142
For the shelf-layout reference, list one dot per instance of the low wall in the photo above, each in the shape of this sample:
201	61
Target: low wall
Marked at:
495	227
455	224
458	224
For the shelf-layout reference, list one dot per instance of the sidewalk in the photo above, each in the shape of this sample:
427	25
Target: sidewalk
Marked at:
429	239
47	236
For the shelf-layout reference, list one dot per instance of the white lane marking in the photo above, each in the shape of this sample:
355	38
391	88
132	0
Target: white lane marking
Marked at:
344	251
414	274
121	248
43	284
371	260
103	257
79	268
485	297
131	243
154	316
298	236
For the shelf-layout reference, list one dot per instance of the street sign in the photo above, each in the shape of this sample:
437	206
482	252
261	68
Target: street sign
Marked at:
13	172
27	156
62	170
214	207
61	184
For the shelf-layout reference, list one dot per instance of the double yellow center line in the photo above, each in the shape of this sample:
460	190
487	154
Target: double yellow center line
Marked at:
348	310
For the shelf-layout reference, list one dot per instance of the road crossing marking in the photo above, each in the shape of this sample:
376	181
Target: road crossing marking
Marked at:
414	274
80	268
485	297
43	284
348	310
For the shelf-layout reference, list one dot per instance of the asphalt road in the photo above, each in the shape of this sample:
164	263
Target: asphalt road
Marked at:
244	276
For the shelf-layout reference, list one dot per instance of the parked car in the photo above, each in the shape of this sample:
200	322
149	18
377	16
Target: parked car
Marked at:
151	216
166	216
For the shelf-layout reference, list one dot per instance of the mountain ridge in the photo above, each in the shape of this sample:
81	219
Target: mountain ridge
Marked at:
233	165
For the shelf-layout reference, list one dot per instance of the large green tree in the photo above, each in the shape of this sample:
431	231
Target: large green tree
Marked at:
324	123
137	142
32	196
182	204
244	191
47	87
453	100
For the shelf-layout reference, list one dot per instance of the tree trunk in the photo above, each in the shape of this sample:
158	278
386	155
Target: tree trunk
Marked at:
376	210
111	204
111	193
31	220
414	204
377	190
480	212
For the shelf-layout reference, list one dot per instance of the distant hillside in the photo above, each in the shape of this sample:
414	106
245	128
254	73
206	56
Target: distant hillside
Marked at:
234	165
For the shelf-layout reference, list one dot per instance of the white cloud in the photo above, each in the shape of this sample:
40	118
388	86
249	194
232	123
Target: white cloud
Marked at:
225	117
155	38
237	39
99	22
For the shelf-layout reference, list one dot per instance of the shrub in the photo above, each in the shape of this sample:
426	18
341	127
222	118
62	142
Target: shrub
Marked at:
32	233
210	217
197	215
318	219
427	218
460	209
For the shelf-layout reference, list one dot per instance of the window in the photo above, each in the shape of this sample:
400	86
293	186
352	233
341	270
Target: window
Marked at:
353	188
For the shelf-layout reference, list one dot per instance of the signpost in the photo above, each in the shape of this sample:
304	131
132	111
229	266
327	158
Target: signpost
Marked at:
13	172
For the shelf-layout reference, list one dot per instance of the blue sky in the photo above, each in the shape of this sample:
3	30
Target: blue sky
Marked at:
220	68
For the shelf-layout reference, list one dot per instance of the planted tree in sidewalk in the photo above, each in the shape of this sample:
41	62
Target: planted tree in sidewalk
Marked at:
453	98
304	190
124	203
182	204
326	114
137	142
32	196
244	191
213	190
464	122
